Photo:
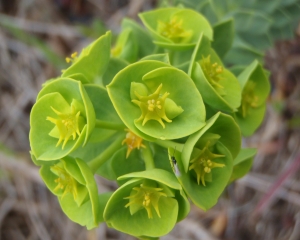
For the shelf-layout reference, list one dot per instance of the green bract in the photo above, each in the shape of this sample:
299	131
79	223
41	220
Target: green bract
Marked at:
255	90
92	61
175	28
73	183
242	163
206	161
61	120
148	98
218	86
150	199
126	46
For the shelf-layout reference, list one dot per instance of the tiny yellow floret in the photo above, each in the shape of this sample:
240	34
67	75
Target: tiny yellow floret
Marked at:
145	197
73	58
249	99
133	141
67	125
212	73
173	30
64	181
152	107
202	164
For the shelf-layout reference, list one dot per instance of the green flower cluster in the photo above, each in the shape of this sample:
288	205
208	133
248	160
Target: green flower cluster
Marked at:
158	113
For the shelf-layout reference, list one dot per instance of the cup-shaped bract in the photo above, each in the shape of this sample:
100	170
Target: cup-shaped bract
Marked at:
218	86
104	111
255	90
150	100
72	181
242	163
149	204
143	38
125	46
91	62
61	120
206	162
176	28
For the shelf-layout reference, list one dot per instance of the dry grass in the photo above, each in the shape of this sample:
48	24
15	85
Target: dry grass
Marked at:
263	205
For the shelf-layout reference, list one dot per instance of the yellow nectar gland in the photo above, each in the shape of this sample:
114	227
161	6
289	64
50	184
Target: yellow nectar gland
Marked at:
73	58
173	30
145	197
64	181
152	107
67	124
212	72
116	51
203	164
249	99
133	141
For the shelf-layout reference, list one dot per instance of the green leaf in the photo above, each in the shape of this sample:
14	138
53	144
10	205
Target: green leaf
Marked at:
126	46
255	90
121	165
93	60
251	21
104	111
156	174
143	38
223	37
242	163
162	57
242	53
114	66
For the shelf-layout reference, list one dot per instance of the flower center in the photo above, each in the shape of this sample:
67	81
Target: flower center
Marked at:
133	141
67	125
249	99
152	107
173	30
212	73
65	181
202	164
116	51
145	197
73	58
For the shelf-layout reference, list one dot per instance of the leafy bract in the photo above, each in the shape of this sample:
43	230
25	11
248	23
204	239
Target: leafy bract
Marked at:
138	223
92	61
218	86
242	163
207	196
175	28
255	90
78	195
154	75
221	125
59	96
126	46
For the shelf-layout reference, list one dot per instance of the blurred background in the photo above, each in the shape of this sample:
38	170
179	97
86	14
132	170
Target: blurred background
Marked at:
35	38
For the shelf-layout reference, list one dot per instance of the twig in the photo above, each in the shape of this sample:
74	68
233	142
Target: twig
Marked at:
39	27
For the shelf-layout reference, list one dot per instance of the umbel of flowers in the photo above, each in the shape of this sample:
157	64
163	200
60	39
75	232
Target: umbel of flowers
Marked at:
158	112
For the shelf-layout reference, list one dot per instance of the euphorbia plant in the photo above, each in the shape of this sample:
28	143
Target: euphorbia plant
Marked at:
159	113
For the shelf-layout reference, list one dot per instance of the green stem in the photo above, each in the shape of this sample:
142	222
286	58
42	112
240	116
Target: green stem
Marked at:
148	157
109	125
169	144
98	161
